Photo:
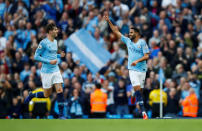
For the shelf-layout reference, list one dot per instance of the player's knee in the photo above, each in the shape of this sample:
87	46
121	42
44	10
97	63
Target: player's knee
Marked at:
137	88
46	95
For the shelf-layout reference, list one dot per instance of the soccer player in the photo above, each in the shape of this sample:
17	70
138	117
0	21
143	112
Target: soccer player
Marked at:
138	53
50	73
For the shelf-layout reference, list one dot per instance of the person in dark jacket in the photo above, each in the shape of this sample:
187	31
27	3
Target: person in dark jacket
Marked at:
75	105
120	98
173	104
3	103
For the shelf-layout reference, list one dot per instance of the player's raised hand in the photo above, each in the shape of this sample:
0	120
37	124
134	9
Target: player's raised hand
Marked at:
106	17
62	54
53	62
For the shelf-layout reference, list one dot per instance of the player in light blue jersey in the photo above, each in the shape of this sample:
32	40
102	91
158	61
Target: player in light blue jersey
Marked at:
50	73
138	53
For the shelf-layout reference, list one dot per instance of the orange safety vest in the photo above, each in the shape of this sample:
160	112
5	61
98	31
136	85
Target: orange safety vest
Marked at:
190	106
98	101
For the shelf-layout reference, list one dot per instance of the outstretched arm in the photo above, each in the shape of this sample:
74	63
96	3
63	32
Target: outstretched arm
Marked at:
113	28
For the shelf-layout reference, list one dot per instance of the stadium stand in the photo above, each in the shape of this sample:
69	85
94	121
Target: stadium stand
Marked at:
172	29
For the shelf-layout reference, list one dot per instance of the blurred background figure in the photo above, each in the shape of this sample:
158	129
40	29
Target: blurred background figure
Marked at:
75	105
98	101
154	100
190	104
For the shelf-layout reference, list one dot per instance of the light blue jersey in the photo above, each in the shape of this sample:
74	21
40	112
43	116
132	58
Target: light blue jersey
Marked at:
47	51
135	52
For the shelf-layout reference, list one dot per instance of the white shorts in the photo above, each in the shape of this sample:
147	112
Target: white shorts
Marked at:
137	78
48	79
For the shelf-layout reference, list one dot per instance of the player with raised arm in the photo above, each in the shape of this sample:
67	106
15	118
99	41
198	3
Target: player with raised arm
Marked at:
138	53
50	73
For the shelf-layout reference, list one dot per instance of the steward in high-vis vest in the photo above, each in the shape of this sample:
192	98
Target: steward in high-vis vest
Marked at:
154	100
98	102
190	104
41	111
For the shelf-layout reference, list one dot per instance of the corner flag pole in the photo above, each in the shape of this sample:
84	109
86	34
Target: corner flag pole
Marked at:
161	98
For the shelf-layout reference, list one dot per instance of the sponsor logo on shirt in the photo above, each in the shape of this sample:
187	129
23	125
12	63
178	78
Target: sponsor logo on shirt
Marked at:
132	49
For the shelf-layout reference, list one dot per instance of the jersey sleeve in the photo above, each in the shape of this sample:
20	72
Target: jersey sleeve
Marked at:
125	39
144	47
39	52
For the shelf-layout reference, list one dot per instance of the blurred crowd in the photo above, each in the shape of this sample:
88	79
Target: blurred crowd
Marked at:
172	29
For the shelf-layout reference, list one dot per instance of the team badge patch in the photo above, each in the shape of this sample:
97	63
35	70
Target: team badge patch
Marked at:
145	47
39	46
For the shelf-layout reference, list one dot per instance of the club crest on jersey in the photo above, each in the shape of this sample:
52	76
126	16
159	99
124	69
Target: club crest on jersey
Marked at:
138	46
39	46
145	47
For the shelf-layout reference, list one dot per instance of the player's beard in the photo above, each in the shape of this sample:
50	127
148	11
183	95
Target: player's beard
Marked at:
55	35
133	37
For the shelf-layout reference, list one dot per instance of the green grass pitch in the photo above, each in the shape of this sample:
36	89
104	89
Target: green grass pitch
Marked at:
102	125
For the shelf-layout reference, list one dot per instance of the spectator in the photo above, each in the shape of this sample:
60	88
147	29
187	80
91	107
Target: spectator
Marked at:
111	78
120	9
189	57
102	24
2	42
165	3
155	38
24	107
3	103
29	33
89	84
5	63
99	39
179	57
15	109
172	107
3	8
18	91
65	70
16	63
124	24
120	98
70	61
63	23
179	73
199	71
109	90
75	105
190	104
154	49
195	84
185	90
98	101
91	22
77	74
118	53
154	100
26	72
